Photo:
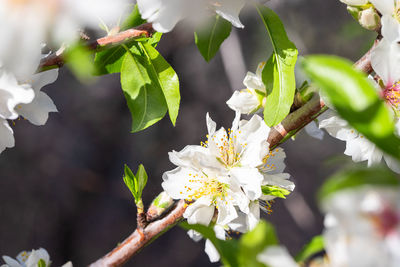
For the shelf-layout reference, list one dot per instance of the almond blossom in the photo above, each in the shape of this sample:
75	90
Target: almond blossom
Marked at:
165	14
223	178
251	99
30	259
23	98
390	18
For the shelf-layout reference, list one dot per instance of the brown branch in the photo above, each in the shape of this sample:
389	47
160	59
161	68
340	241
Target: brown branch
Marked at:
56	60
138	239
294	121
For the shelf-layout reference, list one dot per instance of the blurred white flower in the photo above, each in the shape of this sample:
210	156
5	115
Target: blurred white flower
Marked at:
390	18
249	100
23	98
357	146
276	256
362	227
165	14
25	25
28	259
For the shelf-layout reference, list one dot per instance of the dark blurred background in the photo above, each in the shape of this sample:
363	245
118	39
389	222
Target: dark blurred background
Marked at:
61	187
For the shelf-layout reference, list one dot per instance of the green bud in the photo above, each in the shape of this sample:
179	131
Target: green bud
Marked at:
369	19
160	204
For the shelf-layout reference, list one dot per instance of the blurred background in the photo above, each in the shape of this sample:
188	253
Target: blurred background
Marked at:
61	186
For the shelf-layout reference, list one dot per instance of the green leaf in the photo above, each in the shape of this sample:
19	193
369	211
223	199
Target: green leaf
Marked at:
109	61
143	94
41	263
254	242
141	177
315	246
211	35
80	61
355	99
227	249
130	182
276	191
166	78
280	70
356	176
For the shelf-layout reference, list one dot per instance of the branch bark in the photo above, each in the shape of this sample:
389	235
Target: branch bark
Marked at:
294	121
56	60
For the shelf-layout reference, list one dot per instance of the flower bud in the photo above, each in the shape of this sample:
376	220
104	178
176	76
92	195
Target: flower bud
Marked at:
369	19
160	204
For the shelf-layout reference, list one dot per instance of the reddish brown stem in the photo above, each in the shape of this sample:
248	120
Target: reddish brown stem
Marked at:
56	60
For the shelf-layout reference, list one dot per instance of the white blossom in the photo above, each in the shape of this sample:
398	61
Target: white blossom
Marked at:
362	227
354	2
223	178
26	25
251	99
28	259
23	98
165	14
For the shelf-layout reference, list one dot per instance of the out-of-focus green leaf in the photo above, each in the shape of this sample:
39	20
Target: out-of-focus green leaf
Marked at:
80	61
210	36
280	69
358	176
316	245
355	99
276	191
41	263
134	19
227	249
143	94
254	242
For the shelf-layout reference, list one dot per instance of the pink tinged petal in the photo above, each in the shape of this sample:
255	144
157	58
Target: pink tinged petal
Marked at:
177	181
385	7
385	59
250	180
229	10
277	256
6	136
226	211
37	112
200	212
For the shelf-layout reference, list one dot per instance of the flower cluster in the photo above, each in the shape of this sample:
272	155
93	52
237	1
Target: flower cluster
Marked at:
226	177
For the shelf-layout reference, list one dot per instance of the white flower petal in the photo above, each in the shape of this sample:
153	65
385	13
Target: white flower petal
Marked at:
199	212
392	163
385	7
6	135
243	101
229	10
10	262
354	2
211	251
385	59
211	125
36	255
250	179
253	217
37	112
177	181
313	130
226	212
280	179
276	256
